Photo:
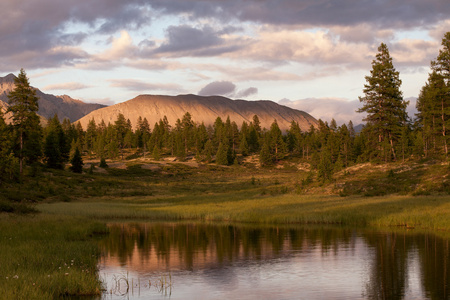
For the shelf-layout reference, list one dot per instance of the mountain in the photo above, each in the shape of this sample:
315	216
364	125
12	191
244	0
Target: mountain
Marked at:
49	105
202	109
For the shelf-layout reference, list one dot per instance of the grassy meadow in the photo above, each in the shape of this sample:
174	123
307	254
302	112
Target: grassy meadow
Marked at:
51	222
47	257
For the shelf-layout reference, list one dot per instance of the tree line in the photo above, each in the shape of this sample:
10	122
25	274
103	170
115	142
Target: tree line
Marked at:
388	134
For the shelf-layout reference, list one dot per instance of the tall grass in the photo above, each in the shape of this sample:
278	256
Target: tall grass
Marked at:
430	212
46	257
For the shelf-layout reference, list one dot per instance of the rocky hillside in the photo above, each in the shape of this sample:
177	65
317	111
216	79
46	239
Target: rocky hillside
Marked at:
49	105
202	109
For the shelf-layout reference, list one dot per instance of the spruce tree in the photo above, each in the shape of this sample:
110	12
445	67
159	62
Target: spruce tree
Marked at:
24	106
155	153
121	127
265	156
222	154
208	151
77	162
276	142
52	153
7	159
91	135
55	144
442	67
383	102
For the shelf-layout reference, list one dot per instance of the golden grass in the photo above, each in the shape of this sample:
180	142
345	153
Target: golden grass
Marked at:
429	212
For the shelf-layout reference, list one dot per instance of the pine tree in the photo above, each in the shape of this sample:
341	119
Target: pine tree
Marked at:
53	158
276	142
265	156
187	128
121	126
201	137
7	159
208	151
55	144
24	106
91	135
222	154
253	139
155	153
383	102
325	166
76	161
442	67
243	147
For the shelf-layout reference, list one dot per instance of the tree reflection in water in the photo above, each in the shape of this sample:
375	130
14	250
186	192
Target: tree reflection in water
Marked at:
165	247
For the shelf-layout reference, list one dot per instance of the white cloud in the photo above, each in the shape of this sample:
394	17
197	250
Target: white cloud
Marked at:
121	47
144	86
326	109
67	86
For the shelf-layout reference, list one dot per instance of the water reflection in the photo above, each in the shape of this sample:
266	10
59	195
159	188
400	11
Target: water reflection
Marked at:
246	262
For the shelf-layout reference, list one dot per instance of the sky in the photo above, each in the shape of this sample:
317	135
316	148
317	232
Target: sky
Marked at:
312	55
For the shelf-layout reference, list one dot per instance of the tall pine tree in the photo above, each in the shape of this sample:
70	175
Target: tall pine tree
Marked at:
383	102
24	106
442	67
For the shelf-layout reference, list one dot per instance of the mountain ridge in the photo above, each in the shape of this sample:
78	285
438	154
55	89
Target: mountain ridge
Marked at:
204	109
64	106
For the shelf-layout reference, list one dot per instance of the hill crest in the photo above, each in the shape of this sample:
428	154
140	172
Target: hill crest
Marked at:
202	109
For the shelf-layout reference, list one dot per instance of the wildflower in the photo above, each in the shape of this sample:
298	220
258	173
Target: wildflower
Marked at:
16	276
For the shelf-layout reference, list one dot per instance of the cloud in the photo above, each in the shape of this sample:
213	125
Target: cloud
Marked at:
326	109
182	38
104	101
67	86
341	110
313	13
50	58
226	88
315	48
185	40
411	52
31	30
222	88
121	47
142	86
247	92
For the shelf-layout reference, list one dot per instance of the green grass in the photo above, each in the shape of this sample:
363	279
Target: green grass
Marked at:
38	249
426	212
46	257
240	194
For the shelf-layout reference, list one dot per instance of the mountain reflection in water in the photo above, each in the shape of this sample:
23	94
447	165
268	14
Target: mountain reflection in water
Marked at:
248	262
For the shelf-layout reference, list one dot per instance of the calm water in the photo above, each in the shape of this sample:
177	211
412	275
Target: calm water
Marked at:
192	261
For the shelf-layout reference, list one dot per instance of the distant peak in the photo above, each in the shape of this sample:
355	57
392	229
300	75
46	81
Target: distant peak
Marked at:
8	78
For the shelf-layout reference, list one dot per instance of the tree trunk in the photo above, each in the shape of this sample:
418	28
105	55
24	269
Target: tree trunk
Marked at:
443	129
392	147
21	153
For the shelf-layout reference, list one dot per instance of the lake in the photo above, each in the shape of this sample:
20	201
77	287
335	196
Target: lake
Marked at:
219	261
